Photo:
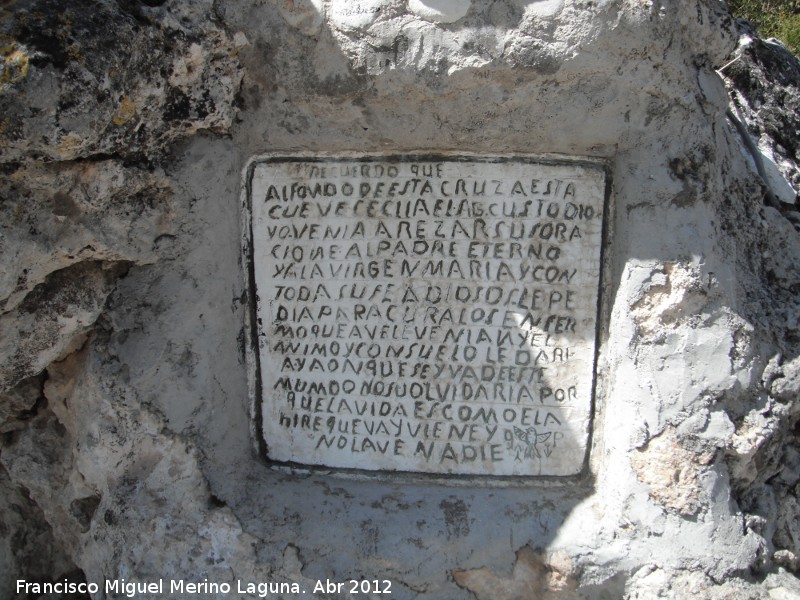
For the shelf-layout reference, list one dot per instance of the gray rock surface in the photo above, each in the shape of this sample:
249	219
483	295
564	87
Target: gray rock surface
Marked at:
127	447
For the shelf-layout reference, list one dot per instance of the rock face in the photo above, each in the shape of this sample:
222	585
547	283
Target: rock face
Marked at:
128	447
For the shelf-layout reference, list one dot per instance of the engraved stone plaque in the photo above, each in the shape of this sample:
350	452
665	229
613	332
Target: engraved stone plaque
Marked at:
430	314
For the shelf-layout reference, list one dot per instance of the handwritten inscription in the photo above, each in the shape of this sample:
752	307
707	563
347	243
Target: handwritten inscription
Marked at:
432	315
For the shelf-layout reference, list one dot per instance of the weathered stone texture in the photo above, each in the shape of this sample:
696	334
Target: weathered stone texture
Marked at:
109	78
764	78
126	448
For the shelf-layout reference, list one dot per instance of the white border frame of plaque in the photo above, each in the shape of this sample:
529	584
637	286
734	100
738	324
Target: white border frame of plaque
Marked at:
252	326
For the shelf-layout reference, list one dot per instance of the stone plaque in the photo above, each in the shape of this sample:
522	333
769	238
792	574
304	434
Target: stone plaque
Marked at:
426	314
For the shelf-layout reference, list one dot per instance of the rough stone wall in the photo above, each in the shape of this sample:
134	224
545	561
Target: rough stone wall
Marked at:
126	436
764	455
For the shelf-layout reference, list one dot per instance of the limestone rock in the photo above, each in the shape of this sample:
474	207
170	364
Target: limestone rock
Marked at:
671	472
113	79
58	215
127	440
765	96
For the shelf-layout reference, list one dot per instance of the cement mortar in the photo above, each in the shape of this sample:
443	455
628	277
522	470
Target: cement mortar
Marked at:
128	439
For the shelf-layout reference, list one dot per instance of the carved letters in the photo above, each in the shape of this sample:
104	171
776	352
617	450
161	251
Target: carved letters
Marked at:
433	315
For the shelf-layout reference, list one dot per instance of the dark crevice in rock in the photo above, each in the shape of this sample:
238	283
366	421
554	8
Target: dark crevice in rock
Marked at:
216	502
64	288
58	314
27	544
23	403
83	510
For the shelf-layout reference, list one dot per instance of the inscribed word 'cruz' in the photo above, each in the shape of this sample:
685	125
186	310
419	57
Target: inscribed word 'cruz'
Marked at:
429	315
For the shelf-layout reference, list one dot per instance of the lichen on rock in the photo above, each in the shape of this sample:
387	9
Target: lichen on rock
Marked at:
106	79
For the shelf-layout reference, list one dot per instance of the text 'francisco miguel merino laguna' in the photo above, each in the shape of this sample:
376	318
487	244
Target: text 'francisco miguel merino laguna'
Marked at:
131	589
